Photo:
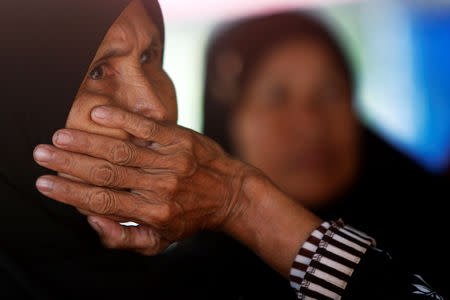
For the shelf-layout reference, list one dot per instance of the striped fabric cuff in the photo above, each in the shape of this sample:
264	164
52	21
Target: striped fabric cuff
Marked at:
326	261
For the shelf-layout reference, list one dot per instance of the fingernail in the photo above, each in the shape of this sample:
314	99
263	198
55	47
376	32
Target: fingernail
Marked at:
96	226
44	184
43	155
101	112
63	138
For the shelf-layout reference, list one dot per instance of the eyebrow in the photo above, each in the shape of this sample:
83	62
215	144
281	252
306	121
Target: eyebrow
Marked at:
117	51
114	51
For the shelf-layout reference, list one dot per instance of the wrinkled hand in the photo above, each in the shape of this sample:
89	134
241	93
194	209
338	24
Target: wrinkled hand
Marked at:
176	183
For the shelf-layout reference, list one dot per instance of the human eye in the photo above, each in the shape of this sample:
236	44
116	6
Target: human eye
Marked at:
328	93
149	55
97	73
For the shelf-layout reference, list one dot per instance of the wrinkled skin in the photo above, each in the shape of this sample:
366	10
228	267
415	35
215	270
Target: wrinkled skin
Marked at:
123	158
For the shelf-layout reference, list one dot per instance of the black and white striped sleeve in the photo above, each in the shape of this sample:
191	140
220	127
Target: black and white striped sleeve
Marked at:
327	260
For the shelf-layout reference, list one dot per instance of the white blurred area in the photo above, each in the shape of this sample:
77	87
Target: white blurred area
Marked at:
216	10
188	27
398	49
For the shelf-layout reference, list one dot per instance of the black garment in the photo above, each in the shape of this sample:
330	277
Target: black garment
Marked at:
225	265
378	276
47	249
402	206
394	201
339	261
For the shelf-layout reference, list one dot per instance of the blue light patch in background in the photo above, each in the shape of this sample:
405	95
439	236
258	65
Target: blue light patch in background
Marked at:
405	87
430	28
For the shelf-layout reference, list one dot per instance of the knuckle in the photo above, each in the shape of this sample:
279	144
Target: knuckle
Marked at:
153	241
123	118
187	164
148	129
122	154
125	239
121	241
102	202
189	141
170	184
165	214
67	162
144	180
105	175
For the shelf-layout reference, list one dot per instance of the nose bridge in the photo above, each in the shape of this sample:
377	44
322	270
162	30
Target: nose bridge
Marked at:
307	116
141	96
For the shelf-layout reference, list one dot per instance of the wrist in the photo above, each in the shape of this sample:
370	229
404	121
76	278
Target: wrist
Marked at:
247	187
240	196
269	222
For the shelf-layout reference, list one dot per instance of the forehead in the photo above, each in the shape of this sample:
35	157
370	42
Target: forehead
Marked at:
302	58
133	24
309	51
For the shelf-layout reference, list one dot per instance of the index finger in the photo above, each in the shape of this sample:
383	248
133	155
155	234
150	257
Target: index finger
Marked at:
118	152
137	125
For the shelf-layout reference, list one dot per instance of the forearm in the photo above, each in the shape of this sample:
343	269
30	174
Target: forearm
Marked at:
271	224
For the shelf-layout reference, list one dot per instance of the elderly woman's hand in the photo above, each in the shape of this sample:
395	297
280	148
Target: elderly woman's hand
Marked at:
176	183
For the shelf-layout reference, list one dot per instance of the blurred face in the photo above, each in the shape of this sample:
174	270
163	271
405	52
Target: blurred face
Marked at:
296	123
126	72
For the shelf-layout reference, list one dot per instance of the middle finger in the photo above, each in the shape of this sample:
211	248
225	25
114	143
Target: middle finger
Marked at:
102	201
92	170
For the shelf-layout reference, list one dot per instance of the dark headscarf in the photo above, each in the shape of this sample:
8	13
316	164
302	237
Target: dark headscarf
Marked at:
236	50
46	48
47	249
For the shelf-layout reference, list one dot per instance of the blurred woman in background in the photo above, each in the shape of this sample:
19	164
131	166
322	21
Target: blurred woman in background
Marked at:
279	94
